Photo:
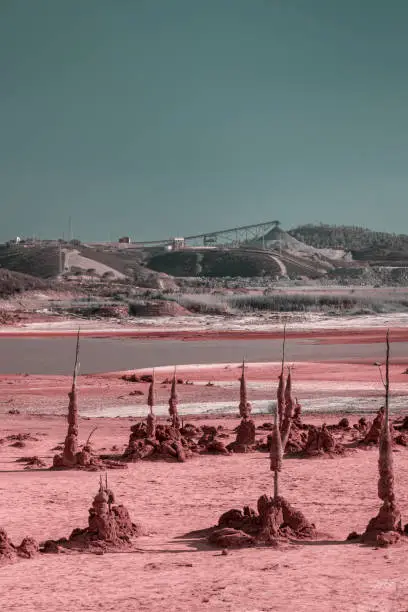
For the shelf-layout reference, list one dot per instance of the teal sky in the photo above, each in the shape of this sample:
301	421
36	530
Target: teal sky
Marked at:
156	118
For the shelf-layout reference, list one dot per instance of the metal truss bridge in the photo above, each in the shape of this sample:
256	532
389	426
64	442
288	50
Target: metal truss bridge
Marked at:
232	237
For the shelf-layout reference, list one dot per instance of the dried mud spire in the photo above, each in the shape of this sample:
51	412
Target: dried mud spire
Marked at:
385	462
281	384
151	419
71	457
288	388
289	410
244	404
386	526
71	440
297	411
151	395
276	519
76	364
276	453
173	402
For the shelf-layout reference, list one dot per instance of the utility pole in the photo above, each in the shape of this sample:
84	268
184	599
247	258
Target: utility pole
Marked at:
60	258
70	228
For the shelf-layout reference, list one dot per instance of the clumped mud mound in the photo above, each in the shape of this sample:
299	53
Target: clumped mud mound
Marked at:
32	462
19	440
401	431
170	443
161	442
245	440
109	528
10	553
211	441
297	440
321	441
402	425
308	441
85	459
144	378
398	430
372	436
362	426
276	521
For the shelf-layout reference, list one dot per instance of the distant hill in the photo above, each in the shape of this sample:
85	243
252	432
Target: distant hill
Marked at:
14	282
125	261
350	238
131	263
277	238
216	263
40	261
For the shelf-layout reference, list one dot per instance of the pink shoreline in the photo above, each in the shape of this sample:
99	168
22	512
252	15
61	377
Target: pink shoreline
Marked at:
326	336
310	378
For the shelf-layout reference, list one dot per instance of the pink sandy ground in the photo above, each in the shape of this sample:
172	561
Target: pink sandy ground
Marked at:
167	572
175	574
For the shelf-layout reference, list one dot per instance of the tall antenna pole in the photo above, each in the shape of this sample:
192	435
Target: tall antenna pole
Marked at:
76	366
60	257
283	348
70	228
387	377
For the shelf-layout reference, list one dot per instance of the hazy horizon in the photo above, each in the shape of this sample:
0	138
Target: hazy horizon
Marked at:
159	118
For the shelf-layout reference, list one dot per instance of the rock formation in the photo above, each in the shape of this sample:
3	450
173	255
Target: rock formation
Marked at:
9	553
297	415
109	527
173	403
287	410
167	444
71	457
210	442
157	441
244	406
245	439
276	519
174	442
281	396
385	528
321	441
373	434
151	419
